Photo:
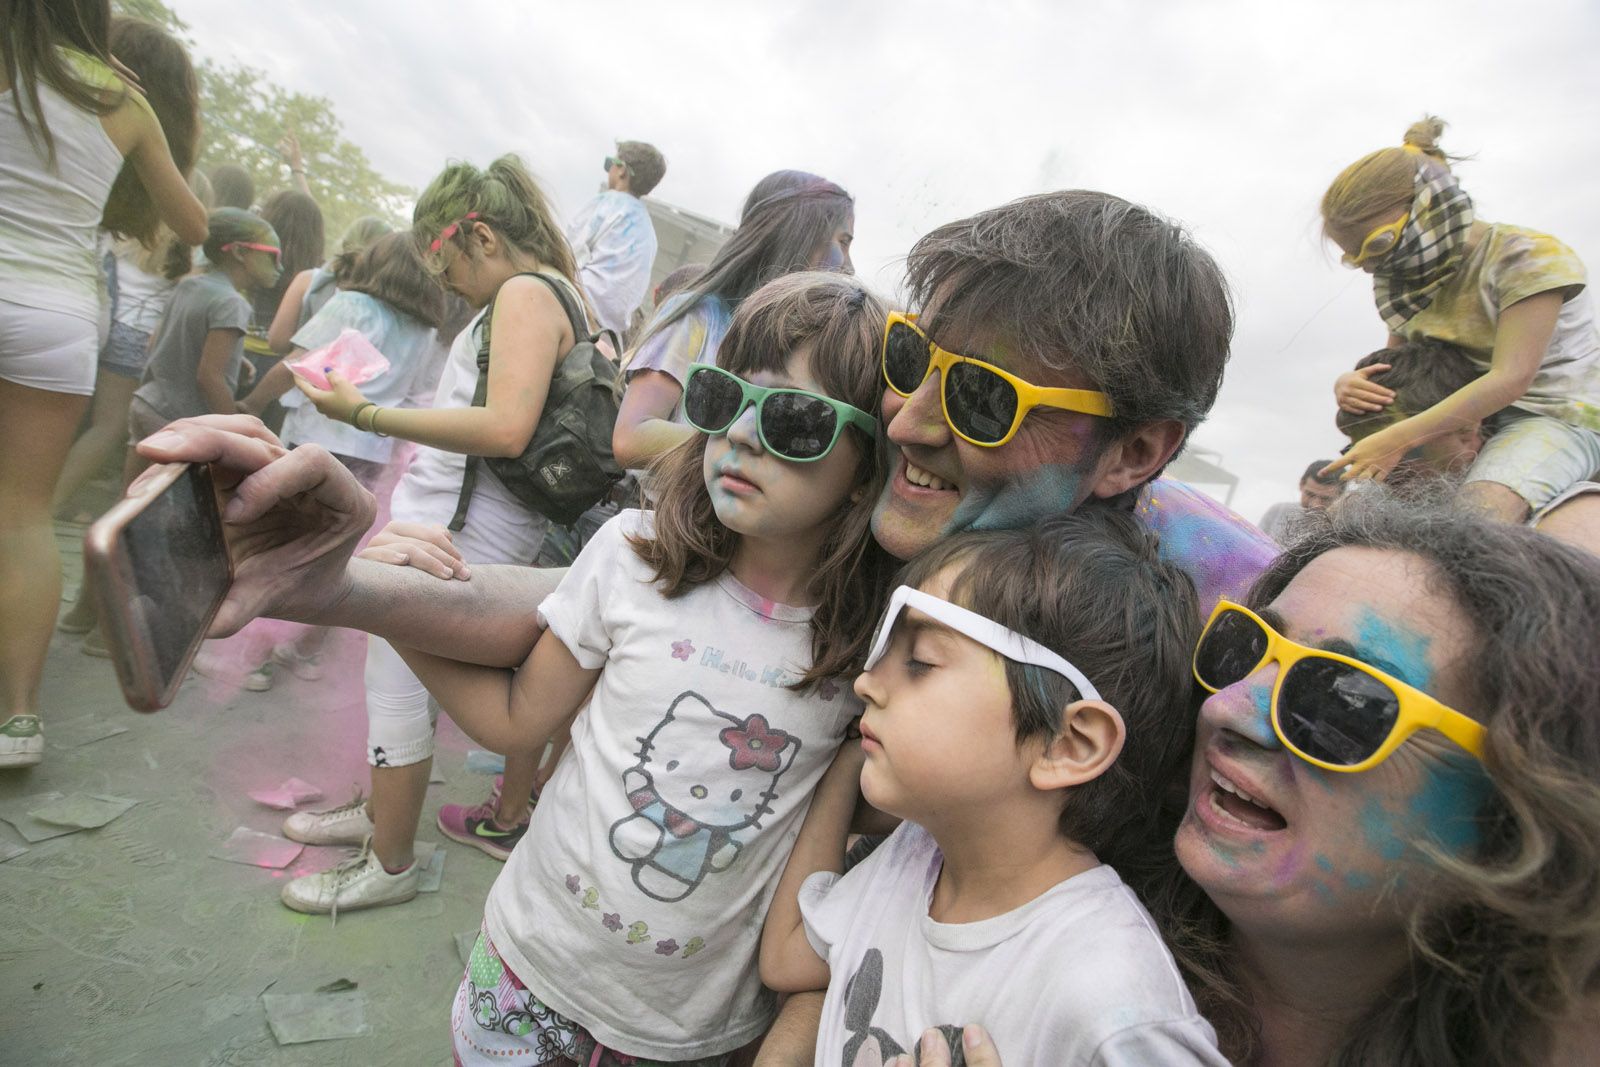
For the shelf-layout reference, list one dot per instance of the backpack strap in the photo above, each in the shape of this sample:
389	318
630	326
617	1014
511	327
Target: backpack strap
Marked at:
480	395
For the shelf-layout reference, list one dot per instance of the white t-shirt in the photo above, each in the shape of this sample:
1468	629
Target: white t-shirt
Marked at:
634	903
1078	975
614	244
431	487
142	297
405	342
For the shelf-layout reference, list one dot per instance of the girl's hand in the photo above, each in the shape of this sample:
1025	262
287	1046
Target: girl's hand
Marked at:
289	149
1358	394
976	1046
337	402
1374	457
420	545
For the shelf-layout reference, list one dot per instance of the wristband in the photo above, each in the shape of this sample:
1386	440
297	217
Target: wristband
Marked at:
372	423
355	416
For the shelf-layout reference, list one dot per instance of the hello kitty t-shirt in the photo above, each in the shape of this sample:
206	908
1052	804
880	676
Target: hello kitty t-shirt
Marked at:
634	903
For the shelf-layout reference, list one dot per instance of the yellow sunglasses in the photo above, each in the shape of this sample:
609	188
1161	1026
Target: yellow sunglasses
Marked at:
1379	243
1332	711
983	404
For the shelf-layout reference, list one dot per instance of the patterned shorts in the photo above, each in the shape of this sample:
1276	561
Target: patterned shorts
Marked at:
495	1020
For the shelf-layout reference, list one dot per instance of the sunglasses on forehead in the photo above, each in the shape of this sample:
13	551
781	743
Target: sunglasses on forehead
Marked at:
983	404
1332	711
793	424
275	252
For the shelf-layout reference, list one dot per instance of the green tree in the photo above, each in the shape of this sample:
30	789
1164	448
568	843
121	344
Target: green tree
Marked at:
246	114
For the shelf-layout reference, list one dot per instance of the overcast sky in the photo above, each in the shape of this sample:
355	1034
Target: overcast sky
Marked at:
1231	117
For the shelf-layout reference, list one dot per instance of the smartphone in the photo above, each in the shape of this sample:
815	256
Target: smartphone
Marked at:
159	569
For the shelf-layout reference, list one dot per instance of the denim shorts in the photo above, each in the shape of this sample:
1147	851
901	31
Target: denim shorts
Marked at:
125	352
1537	457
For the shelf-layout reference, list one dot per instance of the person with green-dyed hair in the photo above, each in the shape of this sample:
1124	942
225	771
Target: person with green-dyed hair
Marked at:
481	232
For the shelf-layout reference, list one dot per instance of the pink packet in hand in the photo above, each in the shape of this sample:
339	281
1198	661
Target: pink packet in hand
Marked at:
350	354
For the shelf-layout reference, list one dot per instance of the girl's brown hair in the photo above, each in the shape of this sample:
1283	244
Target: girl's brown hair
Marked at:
1384	180
32	33
1509	945
391	270
169	84
843	322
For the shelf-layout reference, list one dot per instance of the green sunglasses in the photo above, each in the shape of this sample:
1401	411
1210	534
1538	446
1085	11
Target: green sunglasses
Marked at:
794	424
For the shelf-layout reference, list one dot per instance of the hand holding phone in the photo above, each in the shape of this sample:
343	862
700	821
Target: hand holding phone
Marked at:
158	566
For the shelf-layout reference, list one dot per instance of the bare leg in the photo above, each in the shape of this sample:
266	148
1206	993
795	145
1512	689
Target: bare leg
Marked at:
519	777
396	808
108	429
36	429
311	640
1495	500
1577	522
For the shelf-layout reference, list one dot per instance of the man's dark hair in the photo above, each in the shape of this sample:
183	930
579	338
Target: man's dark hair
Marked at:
1314	473
232	186
1084	281
646	165
1421	373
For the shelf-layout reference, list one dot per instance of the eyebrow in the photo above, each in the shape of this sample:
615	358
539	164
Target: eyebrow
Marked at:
1342	647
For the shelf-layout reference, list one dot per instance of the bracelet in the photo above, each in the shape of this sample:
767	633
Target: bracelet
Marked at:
372	423
355	416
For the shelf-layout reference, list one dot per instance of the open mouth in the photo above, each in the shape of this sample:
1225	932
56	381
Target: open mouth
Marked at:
924	479
1235	805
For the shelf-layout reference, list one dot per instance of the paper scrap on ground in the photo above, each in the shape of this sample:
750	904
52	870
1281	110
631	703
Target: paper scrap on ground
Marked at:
287	795
485	762
32	830
8	851
338	985
82	811
79	732
431	875
257	849
296	1018
436	776
464	943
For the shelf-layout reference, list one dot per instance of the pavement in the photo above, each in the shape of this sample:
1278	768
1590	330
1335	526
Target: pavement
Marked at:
130	944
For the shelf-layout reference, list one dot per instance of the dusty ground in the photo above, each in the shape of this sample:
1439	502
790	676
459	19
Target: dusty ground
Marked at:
129	945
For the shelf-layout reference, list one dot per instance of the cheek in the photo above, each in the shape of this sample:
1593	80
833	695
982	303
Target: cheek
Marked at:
996	497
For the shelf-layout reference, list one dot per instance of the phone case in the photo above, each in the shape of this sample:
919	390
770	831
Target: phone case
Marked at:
109	575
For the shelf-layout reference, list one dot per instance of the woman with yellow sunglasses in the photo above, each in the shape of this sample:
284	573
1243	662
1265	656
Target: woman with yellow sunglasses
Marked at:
1512	299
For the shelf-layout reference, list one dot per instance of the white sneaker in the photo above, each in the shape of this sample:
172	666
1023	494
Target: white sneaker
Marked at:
348	824
21	741
358	882
284	657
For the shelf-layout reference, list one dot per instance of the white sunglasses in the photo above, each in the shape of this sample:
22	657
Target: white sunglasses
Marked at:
986	632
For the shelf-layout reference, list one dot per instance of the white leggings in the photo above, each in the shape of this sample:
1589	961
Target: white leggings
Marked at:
400	714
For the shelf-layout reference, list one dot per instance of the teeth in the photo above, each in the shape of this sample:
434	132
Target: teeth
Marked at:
1228	787
917	476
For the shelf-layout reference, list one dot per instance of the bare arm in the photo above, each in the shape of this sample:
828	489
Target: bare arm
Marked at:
134	129
792	1041
1520	342
788	962
212	374
278	380
529	333
514	712
280	335
645	429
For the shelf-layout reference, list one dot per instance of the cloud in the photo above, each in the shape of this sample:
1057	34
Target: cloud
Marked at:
1231	116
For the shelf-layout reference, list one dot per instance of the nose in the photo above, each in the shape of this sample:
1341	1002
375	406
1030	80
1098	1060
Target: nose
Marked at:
918	418
745	432
1245	708
867	686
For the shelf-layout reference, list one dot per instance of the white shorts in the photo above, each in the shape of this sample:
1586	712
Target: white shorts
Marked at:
48	350
1537	457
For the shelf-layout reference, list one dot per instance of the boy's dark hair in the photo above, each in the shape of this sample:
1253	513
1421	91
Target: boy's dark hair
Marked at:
391	270
646	165
1092	587
677	281
1421	373
232	186
842	321
1084	281
1314	473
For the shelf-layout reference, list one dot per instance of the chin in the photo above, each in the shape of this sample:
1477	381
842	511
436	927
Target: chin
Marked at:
900	535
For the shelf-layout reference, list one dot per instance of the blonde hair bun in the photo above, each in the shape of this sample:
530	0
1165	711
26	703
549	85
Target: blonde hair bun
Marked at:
1424	136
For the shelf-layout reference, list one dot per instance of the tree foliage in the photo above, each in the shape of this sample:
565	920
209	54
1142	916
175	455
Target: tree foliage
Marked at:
246	114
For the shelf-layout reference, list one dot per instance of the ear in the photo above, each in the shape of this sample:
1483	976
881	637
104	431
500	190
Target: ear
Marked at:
1134	459
485	238
1090	740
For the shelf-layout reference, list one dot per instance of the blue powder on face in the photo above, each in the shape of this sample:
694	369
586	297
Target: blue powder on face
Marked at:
1357	880
1324	862
1447	805
1051	489
1377	827
1261	700
1406	652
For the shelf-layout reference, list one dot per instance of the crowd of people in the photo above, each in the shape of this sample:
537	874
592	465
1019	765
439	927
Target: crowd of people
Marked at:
894	707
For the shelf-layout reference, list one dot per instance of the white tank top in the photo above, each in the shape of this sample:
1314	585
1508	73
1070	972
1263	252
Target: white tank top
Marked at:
49	215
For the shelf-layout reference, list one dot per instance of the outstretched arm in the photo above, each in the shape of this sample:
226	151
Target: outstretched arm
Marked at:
513	712
788	962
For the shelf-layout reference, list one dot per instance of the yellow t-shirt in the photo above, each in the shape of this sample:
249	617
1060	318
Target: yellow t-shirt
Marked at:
1511	264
